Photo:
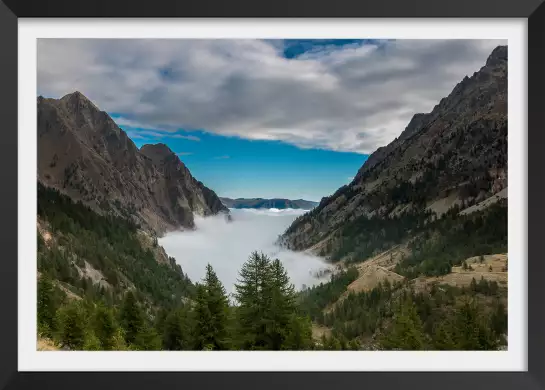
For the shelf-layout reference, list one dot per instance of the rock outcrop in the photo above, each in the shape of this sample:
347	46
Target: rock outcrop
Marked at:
84	154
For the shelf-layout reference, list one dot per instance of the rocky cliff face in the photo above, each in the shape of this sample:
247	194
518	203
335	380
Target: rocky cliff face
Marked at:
84	154
454	155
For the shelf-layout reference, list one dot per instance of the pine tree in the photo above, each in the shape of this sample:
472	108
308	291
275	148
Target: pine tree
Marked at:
299	336
131	317
177	331
92	343
266	305
281	298
406	332
473	333
443	336
48	301
160	319
498	320
105	327
250	292
139	334
473	285
72	323
147	339
211	311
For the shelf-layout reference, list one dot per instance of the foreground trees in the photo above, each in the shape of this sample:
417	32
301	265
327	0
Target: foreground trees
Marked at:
211	312
265	317
267	313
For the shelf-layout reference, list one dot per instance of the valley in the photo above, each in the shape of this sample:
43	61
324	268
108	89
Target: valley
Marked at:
135	253
227	244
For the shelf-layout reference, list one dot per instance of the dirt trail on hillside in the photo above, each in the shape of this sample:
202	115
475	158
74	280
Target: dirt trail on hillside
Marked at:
380	268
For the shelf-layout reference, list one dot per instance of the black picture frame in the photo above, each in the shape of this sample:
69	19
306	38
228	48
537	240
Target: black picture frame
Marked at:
11	10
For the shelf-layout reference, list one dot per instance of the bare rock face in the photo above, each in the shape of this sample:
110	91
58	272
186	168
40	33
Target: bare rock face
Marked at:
84	154
456	154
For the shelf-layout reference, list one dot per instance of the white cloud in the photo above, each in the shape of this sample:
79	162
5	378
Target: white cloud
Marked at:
156	134
226	246
354	99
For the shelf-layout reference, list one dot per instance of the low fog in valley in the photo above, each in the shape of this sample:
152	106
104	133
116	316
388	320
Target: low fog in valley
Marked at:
227	245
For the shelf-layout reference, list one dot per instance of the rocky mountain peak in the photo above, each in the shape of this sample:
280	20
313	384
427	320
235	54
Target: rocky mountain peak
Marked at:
156	151
163	156
454	155
77	100
84	154
498	55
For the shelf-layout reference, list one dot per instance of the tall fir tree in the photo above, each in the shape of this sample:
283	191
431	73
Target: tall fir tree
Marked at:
177	330
280	297
211	313
72	324
443	336
250	292
138	332
105	327
131	317
472	330
299	335
406	331
49	299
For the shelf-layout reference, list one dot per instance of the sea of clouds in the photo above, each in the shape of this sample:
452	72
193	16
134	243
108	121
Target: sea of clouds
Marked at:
227	245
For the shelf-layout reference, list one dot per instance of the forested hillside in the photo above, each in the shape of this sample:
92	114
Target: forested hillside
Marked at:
418	238
405	228
453	158
101	288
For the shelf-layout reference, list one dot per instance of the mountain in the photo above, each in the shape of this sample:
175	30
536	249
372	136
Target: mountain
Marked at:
453	158
85	155
420	237
259	203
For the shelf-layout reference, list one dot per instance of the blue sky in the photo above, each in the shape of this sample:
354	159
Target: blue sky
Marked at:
237	167
240	168
292	48
262	118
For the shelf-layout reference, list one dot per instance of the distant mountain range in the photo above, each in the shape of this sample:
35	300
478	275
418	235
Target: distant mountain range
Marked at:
419	238
260	203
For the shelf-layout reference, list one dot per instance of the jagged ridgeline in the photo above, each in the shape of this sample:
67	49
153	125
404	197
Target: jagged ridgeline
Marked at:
85	155
441	185
420	237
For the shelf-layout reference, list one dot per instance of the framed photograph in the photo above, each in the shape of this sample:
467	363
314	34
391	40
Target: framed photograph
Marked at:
306	194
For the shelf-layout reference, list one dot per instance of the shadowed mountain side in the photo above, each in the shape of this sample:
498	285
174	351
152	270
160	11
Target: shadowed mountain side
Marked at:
454	156
84	154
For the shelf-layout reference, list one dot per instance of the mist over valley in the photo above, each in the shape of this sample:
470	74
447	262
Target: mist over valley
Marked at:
227	245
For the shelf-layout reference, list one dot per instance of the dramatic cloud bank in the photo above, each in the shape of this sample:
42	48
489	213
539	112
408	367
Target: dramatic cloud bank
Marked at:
226	246
351	98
